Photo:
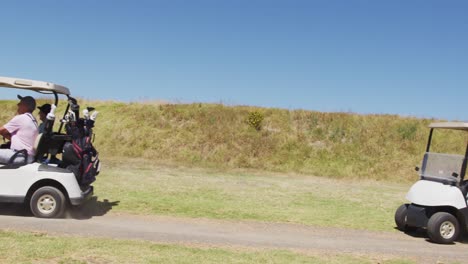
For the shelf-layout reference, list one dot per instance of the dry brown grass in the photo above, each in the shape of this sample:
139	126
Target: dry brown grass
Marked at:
217	136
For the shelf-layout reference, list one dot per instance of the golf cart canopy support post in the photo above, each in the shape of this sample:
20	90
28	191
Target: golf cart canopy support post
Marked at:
66	111
428	147
463	170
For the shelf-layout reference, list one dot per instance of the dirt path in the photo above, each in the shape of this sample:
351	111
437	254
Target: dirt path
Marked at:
244	234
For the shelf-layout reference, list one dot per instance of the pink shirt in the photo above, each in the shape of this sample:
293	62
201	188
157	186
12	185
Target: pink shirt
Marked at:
23	130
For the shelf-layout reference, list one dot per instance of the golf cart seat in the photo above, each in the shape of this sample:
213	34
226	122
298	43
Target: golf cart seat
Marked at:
49	144
11	164
38	145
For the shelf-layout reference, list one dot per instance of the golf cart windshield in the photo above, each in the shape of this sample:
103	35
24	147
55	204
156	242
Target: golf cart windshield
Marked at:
437	166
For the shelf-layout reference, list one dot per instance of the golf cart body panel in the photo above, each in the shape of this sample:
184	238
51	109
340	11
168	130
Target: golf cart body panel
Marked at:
17	182
431	193
38	86
419	215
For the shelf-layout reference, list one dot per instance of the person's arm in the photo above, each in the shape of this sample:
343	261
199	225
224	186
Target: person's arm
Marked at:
4	132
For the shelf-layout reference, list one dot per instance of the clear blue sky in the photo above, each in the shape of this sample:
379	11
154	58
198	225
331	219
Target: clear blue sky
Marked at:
406	57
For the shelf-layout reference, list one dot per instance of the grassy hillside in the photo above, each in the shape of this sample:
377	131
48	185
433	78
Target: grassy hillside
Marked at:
225	137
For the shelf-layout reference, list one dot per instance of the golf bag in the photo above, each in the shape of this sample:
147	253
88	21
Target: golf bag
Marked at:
79	154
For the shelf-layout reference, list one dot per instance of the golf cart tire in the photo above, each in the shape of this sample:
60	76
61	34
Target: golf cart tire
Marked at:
443	228
400	219
48	202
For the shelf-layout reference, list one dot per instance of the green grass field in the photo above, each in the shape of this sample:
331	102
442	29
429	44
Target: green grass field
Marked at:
138	187
248	195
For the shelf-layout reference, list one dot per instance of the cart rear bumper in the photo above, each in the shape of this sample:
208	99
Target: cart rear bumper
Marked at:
84	196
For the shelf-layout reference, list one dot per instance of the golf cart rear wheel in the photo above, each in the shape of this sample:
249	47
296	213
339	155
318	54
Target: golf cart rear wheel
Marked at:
443	228
47	202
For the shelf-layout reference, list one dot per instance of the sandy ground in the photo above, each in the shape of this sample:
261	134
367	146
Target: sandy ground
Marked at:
245	234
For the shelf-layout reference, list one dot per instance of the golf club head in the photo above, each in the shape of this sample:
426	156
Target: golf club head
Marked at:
86	113
94	115
72	116
51	114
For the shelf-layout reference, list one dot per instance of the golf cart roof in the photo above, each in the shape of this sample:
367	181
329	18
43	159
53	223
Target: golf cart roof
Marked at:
450	125
38	86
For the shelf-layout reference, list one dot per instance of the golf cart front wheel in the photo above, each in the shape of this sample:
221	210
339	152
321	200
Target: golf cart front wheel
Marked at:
47	202
443	228
400	218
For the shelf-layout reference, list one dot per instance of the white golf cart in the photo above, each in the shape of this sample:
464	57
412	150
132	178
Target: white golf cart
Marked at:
48	188
439	198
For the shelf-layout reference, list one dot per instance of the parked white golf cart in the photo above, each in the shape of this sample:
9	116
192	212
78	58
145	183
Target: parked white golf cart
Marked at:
439	198
48	188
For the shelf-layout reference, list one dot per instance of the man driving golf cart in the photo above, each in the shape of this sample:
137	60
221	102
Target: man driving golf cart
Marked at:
49	188
22	131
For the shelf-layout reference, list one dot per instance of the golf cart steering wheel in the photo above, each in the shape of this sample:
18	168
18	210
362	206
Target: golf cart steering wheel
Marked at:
6	144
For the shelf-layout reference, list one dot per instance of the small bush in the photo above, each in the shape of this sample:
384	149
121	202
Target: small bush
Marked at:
255	120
